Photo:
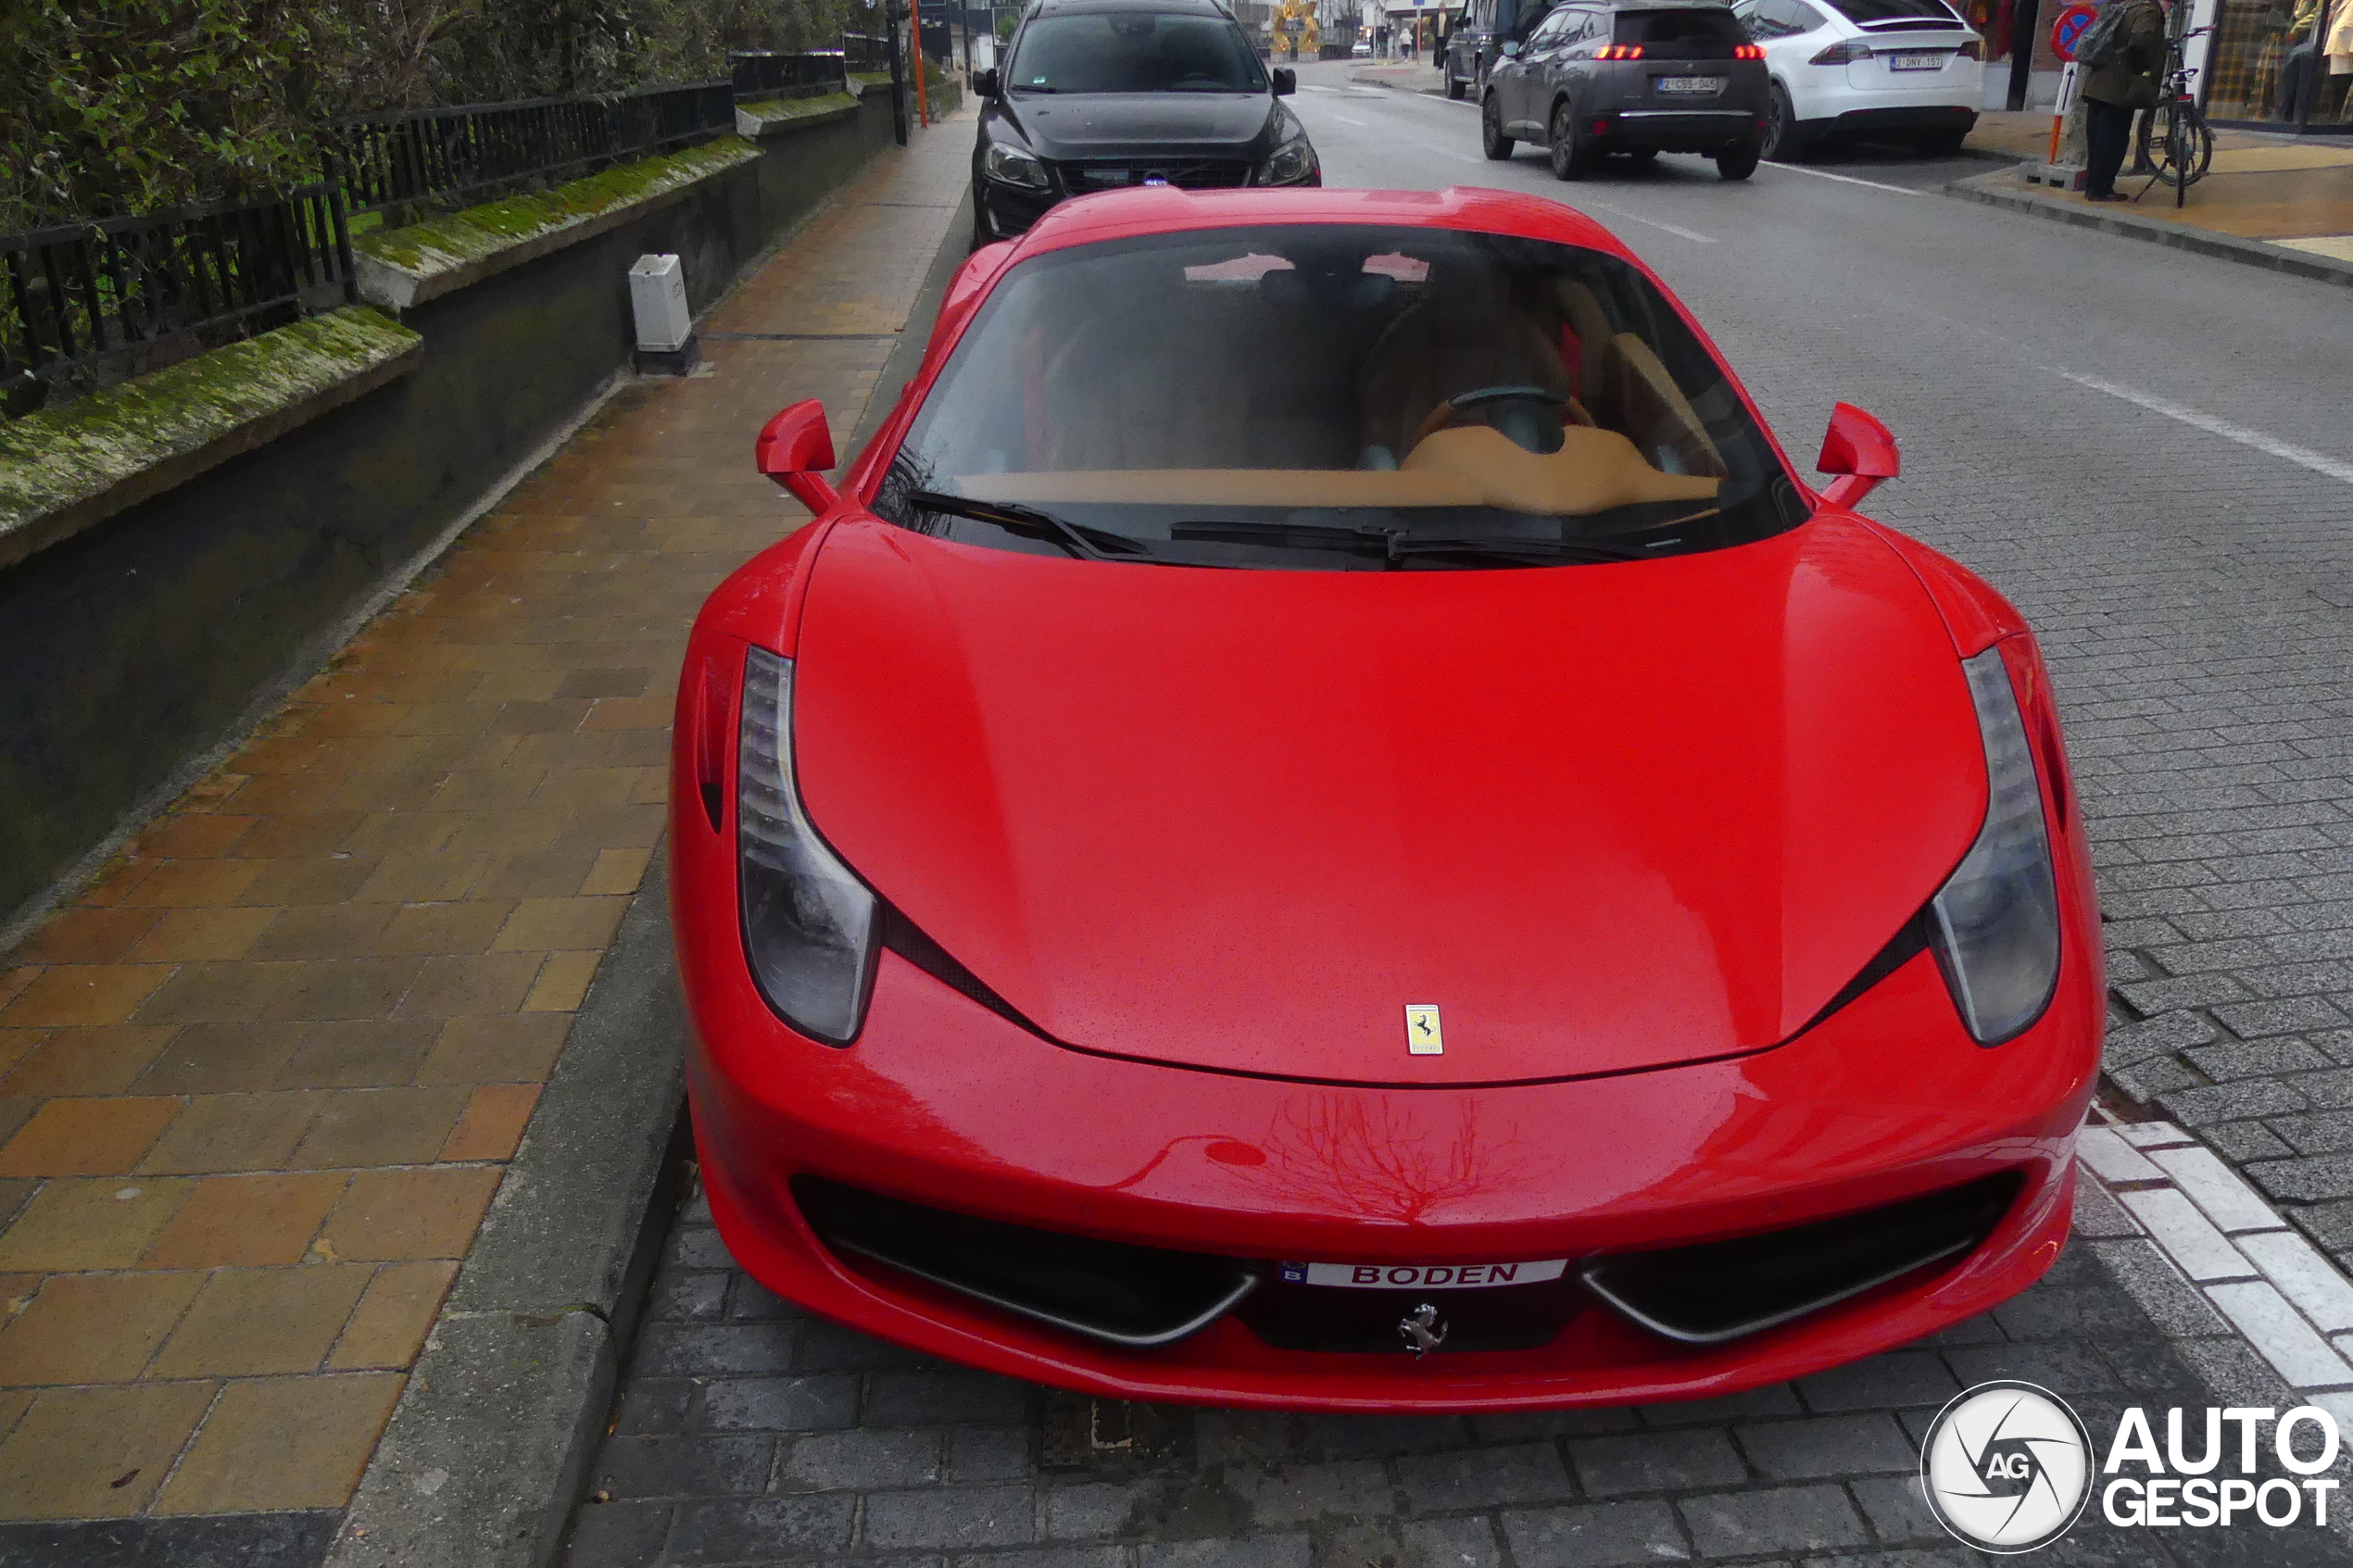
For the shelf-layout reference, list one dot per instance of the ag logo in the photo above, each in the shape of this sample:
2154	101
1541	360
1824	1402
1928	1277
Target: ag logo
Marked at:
2007	1467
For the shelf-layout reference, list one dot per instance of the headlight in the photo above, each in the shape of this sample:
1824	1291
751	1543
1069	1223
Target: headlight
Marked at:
1011	166
1290	163
1996	921
808	924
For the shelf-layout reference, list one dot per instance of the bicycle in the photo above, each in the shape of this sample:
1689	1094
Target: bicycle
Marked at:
2188	150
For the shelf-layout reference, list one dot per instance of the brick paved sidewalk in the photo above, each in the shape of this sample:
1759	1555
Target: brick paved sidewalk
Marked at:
2261	187
263	1074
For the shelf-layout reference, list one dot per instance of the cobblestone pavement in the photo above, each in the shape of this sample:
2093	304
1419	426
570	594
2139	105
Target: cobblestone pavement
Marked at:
752	1433
260	1079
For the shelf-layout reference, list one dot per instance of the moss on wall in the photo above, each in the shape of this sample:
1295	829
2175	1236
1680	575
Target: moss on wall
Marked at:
62	458
773	114
463	238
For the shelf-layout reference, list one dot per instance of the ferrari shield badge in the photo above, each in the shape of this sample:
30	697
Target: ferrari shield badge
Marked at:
1423	1035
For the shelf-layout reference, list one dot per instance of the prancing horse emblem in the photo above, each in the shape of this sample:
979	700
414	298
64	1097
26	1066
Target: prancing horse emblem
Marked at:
1423	1035
1423	1330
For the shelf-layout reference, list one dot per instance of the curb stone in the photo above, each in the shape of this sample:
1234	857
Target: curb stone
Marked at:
1992	190
489	1446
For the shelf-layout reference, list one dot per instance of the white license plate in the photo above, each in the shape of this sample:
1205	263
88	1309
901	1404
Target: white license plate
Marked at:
1422	1277
1692	86
1932	61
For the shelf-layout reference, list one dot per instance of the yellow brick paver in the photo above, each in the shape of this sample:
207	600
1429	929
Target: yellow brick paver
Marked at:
261	1078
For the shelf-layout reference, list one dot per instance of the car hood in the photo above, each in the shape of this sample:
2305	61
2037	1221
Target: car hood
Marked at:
1605	818
1094	125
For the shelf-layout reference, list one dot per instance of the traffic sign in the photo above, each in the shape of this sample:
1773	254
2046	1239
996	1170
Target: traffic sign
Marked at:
2070	28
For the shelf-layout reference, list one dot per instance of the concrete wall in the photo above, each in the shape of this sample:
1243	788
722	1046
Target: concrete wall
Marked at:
142	641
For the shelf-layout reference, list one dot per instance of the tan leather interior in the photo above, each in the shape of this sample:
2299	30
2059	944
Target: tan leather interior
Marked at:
1633	392
1593	471
1230	487
1464	335
1470	465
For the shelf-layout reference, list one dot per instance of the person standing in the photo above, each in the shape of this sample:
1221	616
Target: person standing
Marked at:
2124	48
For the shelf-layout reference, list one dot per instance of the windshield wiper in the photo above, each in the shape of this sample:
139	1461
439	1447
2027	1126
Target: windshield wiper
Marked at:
1398	543
1583	551
1087	544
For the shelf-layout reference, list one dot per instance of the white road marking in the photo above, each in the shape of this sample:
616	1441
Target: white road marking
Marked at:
1846	179
2286	1319
2303	457
1638	217
1345	120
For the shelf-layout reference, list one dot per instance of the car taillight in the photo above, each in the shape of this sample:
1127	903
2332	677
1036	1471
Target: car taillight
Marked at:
1620	52
1844	54
1973	50
1749	51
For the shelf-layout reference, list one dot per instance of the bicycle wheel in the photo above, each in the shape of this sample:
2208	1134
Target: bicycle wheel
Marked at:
2186	146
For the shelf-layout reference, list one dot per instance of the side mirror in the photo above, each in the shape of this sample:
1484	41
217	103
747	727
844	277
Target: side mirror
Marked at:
796	450
1286	81
1860	451
985	82
1510	50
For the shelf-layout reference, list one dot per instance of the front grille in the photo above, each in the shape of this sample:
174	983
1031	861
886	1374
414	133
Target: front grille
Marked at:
1191	174
1721	1290
1121	1294
1311	1317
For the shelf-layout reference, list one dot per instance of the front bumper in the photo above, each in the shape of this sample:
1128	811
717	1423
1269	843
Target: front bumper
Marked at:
945	1104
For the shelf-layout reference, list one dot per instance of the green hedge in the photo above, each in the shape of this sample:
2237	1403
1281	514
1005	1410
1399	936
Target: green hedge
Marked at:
126	105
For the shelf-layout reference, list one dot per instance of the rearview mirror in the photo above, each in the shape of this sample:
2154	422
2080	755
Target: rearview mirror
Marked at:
985	82
1286	82
796	449
1860	451
1510	50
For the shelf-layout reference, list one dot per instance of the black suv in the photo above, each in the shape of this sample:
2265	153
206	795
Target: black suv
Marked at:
1099	94
1630	75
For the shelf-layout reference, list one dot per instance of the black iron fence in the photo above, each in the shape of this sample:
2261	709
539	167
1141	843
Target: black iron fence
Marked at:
865	54
766	74
454	156
93	302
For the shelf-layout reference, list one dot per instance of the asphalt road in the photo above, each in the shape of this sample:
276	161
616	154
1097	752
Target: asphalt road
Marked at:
2153	454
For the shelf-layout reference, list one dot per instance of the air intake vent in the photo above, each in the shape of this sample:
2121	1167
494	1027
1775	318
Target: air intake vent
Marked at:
1135	1296
1720	1290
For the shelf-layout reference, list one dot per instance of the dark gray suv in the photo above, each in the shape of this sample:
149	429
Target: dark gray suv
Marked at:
1630	75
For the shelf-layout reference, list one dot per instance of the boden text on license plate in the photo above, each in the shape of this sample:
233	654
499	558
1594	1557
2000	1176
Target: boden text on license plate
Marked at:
1422	1277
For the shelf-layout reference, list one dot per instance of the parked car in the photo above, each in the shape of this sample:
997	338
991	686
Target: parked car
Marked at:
1324	821
1361	50
1102	95
1629	76
1474	45
1909	68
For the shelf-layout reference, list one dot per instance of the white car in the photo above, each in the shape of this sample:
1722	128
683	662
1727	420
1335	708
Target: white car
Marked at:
1362	49
1910	69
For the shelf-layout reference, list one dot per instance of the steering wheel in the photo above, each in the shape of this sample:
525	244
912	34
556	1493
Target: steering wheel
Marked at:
1529	414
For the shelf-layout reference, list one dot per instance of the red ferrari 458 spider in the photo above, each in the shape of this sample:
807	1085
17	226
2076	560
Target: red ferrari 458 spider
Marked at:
1322	820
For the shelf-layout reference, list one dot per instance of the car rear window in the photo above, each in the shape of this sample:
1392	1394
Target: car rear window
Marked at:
1691	27
1897	13
1134	52
1336	397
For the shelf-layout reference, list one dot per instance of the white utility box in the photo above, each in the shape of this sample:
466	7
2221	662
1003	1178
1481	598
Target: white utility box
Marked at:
665	327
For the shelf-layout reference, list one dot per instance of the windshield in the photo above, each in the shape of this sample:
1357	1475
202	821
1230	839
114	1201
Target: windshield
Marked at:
1335	397
1874	13
1134	52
